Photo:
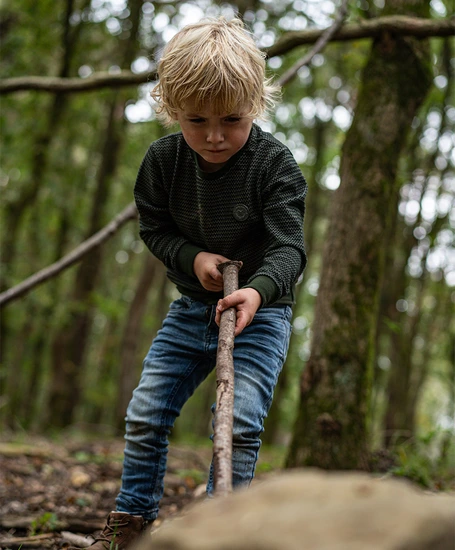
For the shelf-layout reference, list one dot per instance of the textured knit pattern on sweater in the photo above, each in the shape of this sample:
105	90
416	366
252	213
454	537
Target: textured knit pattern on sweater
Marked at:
251	210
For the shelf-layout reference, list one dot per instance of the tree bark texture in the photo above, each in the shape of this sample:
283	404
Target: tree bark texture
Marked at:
224	416
331	426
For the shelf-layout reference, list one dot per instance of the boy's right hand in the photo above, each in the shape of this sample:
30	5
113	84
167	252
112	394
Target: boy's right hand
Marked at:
206	270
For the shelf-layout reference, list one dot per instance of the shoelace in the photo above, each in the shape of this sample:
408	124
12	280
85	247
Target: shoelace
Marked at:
112	529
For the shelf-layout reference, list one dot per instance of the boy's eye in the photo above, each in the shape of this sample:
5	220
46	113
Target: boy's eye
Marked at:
232	119
196	120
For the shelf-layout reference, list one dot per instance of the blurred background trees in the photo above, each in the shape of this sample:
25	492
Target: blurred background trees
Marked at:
72	348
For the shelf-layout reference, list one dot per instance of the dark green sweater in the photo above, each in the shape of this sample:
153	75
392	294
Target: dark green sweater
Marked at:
250	210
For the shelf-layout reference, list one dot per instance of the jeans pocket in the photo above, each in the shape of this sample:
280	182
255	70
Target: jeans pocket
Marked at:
275	313
272	328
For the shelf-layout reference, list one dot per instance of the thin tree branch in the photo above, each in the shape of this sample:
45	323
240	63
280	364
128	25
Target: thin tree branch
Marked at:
68	85
87	246
320	45
367	28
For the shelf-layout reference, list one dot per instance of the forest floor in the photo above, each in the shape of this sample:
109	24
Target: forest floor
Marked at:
57	493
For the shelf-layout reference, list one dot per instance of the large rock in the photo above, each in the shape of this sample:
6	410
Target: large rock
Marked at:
313	510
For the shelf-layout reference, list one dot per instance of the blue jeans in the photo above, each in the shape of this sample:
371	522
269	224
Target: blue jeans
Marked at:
180	358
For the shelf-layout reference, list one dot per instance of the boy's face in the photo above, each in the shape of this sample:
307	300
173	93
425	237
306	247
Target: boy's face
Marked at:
214	138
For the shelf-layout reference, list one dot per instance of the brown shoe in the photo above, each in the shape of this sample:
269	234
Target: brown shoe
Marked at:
120	531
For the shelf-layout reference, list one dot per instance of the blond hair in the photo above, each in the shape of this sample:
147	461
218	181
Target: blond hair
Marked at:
214	62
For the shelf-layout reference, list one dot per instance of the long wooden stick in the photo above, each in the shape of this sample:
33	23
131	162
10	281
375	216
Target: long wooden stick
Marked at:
224	415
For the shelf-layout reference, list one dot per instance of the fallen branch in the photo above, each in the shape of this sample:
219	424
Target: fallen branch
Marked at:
67	524
77	540
129	213
320	45
365	28
13	449
35	541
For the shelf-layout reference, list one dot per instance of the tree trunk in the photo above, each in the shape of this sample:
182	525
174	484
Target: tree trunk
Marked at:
70	343
16	211
406	376
402	388
331	426
129	361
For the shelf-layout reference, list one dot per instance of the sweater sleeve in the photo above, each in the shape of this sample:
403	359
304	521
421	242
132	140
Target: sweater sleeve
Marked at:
283	212
157	228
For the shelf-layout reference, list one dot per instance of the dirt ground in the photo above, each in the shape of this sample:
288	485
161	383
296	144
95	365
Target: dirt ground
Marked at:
53	493
58	493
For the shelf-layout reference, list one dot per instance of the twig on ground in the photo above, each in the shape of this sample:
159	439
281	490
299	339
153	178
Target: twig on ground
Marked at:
77	540
35	541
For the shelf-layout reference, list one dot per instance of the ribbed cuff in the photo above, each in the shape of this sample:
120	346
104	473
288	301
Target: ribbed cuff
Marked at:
267	289
185	257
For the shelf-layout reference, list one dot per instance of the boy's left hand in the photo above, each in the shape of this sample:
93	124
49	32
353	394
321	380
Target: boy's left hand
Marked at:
246	300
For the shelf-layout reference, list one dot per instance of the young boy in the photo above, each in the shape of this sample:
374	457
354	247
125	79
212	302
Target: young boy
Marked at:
220	189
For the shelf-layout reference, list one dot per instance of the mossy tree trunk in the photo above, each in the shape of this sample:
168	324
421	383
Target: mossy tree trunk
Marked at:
331	426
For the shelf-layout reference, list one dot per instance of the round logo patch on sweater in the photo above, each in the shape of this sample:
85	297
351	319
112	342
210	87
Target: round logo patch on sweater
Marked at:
240	212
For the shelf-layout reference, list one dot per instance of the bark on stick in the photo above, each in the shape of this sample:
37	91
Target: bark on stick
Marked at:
224	415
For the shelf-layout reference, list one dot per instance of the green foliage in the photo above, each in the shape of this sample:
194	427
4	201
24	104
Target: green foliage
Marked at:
271	458
415	467
84	457
196	476
46	523
428	460
392	325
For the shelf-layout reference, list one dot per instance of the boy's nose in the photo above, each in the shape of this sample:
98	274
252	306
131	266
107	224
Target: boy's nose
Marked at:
215	135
